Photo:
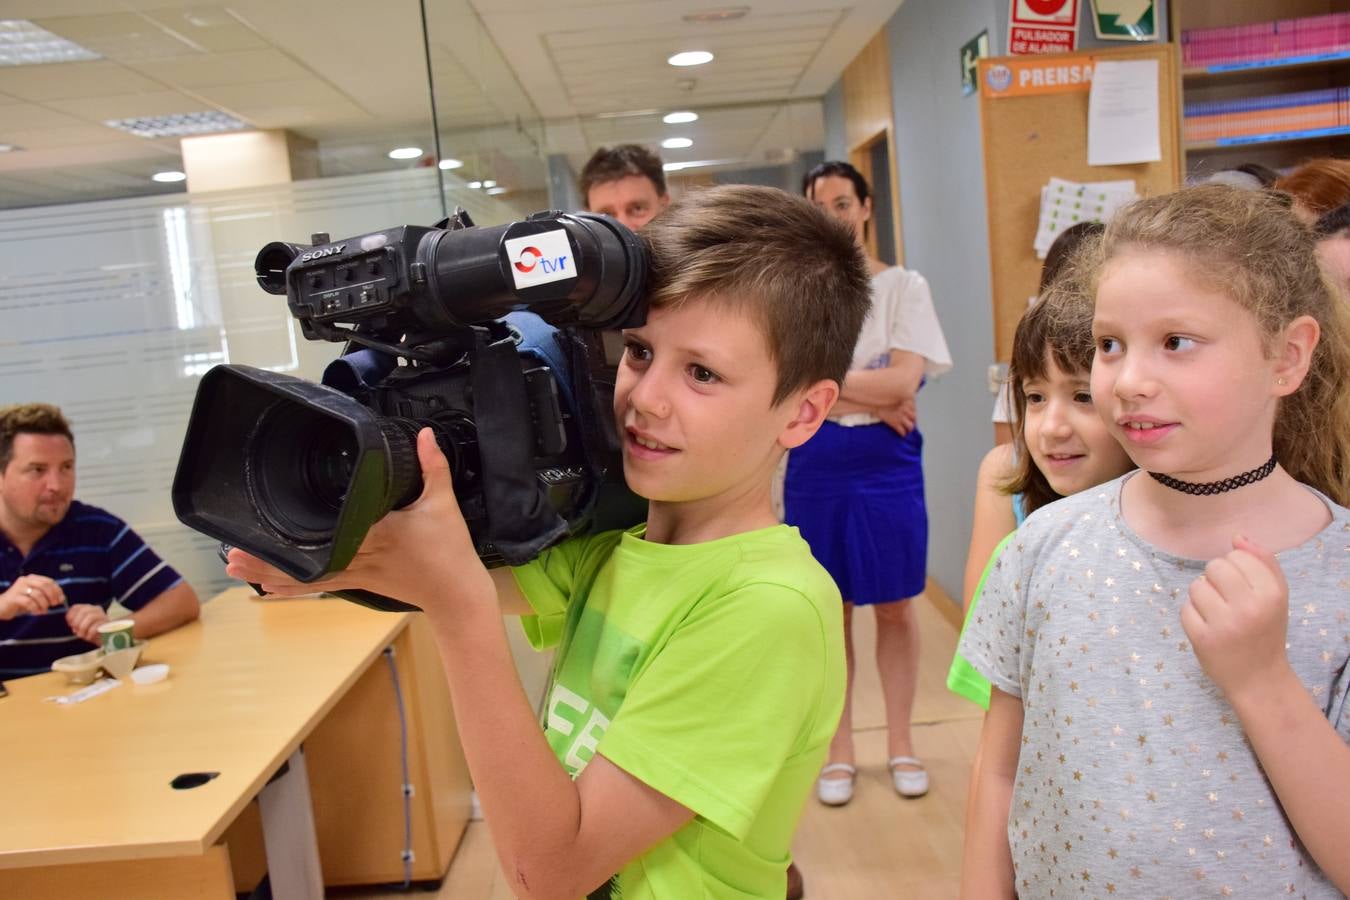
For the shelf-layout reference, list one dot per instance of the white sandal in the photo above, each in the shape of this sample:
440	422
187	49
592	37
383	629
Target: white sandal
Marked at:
836	791
908	783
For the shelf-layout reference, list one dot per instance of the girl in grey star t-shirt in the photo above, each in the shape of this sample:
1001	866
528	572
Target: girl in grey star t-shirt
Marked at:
1169	651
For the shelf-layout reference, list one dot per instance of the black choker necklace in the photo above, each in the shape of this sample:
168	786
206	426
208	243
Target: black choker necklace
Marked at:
1218	487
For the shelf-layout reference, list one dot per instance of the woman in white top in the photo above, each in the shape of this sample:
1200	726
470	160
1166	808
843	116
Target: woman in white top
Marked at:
855	490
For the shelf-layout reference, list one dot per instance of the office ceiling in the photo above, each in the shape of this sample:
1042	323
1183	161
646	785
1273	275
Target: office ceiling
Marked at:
514	79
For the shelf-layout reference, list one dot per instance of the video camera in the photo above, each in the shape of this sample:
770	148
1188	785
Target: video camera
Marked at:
492	337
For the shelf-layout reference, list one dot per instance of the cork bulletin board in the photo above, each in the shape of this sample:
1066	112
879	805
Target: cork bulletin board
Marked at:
1033	117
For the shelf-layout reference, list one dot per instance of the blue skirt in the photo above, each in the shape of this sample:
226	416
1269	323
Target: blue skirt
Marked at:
856	495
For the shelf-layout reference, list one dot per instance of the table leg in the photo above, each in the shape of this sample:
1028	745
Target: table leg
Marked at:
288	832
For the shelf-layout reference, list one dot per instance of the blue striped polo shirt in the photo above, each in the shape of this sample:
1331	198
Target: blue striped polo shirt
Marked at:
96	558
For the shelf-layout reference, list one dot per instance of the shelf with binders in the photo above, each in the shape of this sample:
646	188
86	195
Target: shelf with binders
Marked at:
1322	112
1237	54
1284	120
1236	142
1260	70
1305	34
1280	153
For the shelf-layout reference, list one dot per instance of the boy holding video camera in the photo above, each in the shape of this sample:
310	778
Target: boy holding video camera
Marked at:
700	667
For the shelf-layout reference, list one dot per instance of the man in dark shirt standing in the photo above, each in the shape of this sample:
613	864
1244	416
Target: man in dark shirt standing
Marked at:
627	182
62	562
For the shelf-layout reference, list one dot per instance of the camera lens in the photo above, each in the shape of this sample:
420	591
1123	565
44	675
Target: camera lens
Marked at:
300	469
405	472
327	464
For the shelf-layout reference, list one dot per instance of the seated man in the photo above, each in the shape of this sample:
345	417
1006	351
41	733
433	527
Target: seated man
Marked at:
626	181
62	562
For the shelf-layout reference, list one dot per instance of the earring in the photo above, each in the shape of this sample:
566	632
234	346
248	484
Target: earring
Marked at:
1283	381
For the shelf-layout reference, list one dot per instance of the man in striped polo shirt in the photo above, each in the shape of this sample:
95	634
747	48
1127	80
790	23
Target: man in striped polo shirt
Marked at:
62	562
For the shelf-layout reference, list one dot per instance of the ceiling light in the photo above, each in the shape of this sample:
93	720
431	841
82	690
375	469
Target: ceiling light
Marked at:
680	118
724	14
451	163
691	58
676	143
626	114
168	177
24	44
405	153
496	190
489	184
474	185
178	125
697	164
8	148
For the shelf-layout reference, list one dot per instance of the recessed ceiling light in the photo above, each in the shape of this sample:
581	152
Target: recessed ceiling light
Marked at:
168	177
474	185
8	148
691	58
680	118
626	114
178	125
24	44
489	183
724	14
676	143
405	153
451	163
698	164
494	191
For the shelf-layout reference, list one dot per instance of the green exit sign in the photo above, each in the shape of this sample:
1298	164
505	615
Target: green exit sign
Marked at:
972	51
1125	20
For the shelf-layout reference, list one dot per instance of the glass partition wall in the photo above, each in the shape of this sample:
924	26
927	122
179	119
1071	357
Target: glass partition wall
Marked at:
122	280
146	156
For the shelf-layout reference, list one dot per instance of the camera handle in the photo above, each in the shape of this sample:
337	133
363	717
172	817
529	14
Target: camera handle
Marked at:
365	598
520	521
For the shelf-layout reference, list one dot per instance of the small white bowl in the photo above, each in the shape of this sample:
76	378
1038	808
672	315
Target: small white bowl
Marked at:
80	668
150	674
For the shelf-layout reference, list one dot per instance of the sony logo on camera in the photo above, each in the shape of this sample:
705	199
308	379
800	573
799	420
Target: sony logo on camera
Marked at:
334	250
540	258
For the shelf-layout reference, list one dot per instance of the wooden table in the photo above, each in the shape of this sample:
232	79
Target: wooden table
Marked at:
89	806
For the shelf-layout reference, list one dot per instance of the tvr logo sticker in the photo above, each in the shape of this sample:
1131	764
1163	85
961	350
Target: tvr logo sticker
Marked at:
532	258
540	258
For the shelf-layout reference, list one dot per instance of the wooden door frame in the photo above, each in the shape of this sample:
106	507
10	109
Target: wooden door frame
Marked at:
869	116
860	156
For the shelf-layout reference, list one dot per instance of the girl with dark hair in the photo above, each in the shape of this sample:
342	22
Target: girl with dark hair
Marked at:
1060	444
1061	250
855	490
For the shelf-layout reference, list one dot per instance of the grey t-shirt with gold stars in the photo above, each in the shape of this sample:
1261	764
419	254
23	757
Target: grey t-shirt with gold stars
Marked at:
1134	777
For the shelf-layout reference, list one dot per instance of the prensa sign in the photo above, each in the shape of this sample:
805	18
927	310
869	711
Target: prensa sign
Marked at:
1025	77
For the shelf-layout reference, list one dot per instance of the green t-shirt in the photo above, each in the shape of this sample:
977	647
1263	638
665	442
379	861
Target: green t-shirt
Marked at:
962	679
714	673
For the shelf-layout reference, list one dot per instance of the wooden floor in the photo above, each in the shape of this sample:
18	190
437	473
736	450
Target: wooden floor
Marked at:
880	845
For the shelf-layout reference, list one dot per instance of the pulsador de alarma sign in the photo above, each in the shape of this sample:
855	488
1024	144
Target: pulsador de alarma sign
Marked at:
1037	27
